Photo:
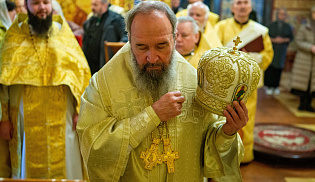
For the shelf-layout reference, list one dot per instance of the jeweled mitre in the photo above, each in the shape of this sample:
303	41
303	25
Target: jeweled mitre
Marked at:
225	75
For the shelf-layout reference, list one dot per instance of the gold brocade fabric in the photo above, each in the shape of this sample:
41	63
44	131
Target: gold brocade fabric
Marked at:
45	106
228	29
63	64
59	63
117	120
225	76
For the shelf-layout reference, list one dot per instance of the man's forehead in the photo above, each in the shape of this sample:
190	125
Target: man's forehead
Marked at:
151	38
96	1
154	23
184	26
199	9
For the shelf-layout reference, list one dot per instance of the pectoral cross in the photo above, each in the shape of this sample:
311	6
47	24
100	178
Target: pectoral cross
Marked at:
236	42
152	156
169	156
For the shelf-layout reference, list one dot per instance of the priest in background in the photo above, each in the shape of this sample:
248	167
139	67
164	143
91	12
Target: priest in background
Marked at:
190	42
20	6
43	74
7	15
213	18
255	41
200	12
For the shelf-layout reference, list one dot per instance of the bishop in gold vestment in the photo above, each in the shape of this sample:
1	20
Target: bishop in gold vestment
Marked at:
116	122
42	79
139	120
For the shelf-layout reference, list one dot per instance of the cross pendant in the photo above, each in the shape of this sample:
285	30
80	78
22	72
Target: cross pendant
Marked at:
169	156
152	156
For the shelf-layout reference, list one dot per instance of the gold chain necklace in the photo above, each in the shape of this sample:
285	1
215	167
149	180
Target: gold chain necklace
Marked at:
152	156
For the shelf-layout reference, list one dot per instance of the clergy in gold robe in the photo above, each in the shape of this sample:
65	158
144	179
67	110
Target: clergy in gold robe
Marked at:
200	12
7	14
5	167
139	120
190	43
43	74
257	36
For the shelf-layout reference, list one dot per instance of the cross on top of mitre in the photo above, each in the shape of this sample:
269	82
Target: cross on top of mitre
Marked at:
236	42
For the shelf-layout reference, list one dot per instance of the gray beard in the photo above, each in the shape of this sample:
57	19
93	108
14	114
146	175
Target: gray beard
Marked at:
154	84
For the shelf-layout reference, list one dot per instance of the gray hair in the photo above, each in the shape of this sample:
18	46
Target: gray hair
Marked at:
313	8
104	1
200	5
184	19
146	7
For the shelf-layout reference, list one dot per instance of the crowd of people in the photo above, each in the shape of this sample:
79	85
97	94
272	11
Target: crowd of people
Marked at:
67	114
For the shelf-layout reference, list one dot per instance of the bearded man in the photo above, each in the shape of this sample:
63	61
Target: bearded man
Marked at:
200	12
212	17
139	120
43	74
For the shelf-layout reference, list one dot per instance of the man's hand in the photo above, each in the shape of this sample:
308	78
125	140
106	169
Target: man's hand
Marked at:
169	105
313	49
6	130
75	120
280	40
235	120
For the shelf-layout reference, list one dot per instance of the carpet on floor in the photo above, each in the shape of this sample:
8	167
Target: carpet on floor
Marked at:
290	179
291	102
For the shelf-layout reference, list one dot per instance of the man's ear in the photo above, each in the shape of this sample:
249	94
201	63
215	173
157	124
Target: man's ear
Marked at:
197	37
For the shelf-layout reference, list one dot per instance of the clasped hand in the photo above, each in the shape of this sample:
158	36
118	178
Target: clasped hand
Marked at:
6	130
169	105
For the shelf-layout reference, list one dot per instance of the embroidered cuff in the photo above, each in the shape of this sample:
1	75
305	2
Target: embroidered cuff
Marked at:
142	125
224	141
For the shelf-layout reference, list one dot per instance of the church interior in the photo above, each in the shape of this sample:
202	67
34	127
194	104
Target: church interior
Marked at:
270	163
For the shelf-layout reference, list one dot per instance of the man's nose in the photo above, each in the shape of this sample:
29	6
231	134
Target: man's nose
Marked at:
152	56
178	38
41	5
